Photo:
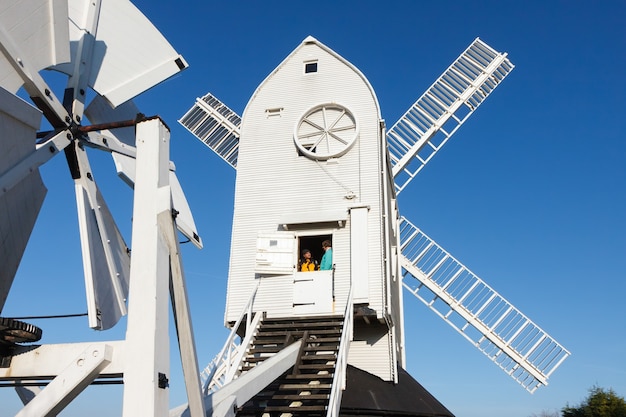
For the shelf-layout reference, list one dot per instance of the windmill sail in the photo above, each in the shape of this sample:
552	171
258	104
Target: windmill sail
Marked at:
20	198
40	29
443	108
118	69
509	338
106	259
99	111
216	125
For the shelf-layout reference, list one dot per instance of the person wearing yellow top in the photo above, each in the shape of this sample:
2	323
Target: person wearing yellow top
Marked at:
307	264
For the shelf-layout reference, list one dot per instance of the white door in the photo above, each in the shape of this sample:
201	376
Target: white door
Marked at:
276	253
313	293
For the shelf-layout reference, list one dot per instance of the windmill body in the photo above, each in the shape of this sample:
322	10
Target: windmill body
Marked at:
315	162
311	167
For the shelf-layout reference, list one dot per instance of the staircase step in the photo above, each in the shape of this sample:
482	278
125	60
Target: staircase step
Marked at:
301	325
307	387
323	340
298	333
327	357
264	349
316	366
271	340
305	366
330	348
312	377
302	319
300	397
256	359
287	409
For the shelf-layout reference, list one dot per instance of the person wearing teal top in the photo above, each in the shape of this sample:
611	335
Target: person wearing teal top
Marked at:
327	259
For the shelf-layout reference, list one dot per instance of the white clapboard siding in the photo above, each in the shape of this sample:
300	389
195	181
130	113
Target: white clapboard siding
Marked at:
369	348
274	181
281	191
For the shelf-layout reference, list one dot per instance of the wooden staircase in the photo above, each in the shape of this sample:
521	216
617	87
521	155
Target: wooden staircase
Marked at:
305	389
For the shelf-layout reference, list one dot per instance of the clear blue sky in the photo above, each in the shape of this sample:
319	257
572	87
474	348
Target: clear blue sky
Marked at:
530	194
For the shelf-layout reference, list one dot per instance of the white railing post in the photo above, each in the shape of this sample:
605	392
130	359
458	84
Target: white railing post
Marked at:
339	380
223	361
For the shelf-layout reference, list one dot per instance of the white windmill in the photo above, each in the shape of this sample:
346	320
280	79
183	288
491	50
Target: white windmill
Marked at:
88	41
314	162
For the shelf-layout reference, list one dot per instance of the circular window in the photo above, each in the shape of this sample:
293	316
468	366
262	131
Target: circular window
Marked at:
326	131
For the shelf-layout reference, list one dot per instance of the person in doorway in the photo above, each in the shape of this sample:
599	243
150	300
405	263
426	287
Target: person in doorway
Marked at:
306	264
327	259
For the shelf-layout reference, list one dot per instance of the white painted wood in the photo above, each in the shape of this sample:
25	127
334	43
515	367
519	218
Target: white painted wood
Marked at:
182	318
106	259
370	350
275	295
120	69
249	384
21	189
448	102
481	315
148	309
47	361
240	390
16	53
40	29
303	189
215	125
275	253
82	54
327	216
359	254
121	143
77	376
279	187
273	176
313	293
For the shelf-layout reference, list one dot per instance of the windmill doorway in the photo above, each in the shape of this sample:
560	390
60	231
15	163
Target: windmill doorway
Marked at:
314	244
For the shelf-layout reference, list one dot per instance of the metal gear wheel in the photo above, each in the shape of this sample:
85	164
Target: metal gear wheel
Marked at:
15	331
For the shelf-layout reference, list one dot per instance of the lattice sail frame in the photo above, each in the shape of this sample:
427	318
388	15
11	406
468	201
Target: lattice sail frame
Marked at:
498	329
216	126
431	121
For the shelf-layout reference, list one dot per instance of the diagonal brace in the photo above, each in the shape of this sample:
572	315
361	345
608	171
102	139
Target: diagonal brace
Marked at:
83	370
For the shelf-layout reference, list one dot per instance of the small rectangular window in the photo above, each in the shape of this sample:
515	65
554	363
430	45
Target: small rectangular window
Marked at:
310	67
274	112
